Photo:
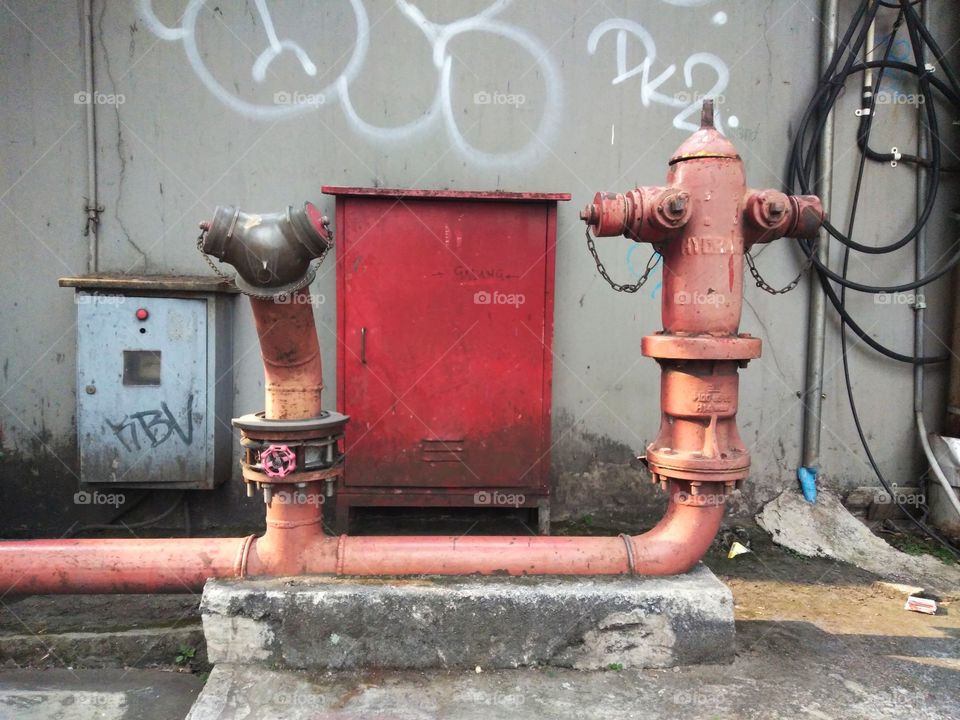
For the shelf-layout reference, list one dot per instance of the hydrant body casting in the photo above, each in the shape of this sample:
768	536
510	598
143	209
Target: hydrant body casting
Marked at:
702	222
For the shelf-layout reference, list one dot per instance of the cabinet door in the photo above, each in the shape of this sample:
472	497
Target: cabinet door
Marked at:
442	342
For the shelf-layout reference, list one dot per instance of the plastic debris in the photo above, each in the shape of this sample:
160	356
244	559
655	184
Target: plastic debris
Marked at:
921	605
737	549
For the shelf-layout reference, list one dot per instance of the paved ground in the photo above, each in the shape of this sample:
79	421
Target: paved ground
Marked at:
816	639
95	694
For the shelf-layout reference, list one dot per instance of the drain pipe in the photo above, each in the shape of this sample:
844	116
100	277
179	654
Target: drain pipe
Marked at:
816	323
920	305
701	222
92	208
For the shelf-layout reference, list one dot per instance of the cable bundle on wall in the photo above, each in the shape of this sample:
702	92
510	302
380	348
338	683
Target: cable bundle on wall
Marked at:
932	90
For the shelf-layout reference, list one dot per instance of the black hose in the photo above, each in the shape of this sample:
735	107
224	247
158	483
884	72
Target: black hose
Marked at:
867	127
801	165
825	275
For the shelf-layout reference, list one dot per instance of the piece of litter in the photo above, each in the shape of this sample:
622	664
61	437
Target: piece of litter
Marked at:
479	669
921	605
737	549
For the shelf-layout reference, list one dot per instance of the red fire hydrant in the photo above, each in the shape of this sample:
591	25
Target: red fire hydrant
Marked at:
701	223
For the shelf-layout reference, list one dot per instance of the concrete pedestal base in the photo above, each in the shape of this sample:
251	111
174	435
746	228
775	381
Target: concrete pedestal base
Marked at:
464	622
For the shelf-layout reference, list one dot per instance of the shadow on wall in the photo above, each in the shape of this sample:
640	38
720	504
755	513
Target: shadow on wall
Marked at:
599	484
41	497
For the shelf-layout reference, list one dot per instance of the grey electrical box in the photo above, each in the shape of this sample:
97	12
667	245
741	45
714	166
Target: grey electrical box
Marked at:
154	381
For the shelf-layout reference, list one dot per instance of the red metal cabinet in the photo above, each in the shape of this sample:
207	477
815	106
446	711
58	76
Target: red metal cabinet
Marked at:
445	314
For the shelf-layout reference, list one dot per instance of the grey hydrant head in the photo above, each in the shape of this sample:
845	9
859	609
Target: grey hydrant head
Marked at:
272	253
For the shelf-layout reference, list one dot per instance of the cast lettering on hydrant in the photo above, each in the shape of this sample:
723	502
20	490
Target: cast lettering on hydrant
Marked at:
701	223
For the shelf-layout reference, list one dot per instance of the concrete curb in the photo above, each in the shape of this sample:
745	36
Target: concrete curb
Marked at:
444	622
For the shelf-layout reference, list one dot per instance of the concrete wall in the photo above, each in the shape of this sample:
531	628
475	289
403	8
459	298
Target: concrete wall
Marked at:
533	95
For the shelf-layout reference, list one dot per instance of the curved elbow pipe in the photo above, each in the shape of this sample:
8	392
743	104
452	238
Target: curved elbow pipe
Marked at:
272	253
674	546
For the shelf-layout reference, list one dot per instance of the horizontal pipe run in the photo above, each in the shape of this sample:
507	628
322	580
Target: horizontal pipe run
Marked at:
117	566
674	546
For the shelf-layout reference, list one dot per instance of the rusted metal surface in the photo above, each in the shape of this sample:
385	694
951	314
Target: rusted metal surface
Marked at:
165	284
445	194
293	377
702	222
662	345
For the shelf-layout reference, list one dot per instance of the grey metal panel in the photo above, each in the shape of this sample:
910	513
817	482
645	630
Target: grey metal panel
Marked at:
130	434
220	369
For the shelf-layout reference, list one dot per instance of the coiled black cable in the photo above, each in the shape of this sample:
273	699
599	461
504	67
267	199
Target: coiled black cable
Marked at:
802	165
843	65
866	126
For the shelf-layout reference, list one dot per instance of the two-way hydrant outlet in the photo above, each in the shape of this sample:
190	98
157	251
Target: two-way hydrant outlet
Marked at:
273	253
702	222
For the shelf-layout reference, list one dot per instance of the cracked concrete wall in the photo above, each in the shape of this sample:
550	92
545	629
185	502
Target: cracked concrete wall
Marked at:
435	95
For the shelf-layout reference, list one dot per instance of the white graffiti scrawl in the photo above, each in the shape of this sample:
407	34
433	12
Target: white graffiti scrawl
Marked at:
441	110
687	100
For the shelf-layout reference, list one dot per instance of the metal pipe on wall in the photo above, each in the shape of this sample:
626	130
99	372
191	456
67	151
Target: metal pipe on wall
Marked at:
817	319
920	305
919	258
92	209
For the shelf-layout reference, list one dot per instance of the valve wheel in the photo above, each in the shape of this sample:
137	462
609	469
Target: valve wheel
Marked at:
278	461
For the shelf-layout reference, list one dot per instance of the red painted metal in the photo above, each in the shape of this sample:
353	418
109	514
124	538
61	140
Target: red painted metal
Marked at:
117	566
445	303
293	377
701	222
413	193
674	546
294	544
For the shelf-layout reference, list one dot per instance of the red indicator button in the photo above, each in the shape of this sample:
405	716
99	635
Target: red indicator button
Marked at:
142	314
